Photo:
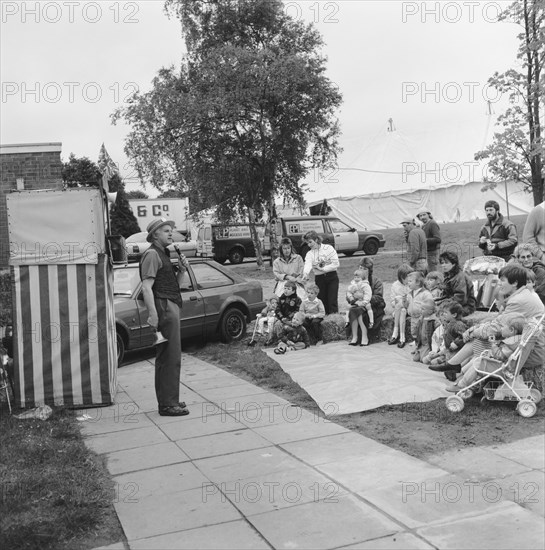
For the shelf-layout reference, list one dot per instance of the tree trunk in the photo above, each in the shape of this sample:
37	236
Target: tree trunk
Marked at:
255	238
272	232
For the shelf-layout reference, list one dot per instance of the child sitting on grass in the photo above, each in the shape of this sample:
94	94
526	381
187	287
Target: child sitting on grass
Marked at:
288	305
416	297
359	295
294	334
510	336
427	323
433	283
398	299
267	317
313	310
436	354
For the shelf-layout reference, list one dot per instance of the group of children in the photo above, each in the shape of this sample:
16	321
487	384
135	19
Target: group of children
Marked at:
291	319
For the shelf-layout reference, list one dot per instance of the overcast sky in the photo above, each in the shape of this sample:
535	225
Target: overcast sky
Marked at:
66	66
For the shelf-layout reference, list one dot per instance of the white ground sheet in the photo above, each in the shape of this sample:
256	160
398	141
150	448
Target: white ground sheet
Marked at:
344	379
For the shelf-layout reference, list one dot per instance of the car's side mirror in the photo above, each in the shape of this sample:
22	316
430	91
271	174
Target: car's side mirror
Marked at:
352	229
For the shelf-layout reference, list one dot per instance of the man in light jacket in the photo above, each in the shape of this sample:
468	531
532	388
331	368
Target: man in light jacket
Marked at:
417	251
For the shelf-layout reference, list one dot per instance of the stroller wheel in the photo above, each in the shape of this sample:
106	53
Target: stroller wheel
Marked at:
535	395
526	408
455	404
466	394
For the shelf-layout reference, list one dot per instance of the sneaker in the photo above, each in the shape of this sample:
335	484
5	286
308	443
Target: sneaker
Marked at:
175	410
453	388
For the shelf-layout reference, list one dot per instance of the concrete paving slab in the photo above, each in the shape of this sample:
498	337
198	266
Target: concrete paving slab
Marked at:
142	458
253	401
529	451
246	464
441	499
129	439
188	427
271	415
169	513
200	410
399	541
223	443
163	480
218	381
302	429
276	490
506	526
110	424
379	470
221	394
334	448
482	463
227	536
116	546
527	490
323	525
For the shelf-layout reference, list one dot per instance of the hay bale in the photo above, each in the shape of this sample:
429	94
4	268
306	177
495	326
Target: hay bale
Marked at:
333	327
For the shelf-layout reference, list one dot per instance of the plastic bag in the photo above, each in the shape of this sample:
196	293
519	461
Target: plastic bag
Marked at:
41	413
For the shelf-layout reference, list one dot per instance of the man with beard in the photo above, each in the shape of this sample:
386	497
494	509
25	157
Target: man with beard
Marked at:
498	237
433	238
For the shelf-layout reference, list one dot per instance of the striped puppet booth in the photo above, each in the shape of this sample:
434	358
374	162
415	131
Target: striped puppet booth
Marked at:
62	293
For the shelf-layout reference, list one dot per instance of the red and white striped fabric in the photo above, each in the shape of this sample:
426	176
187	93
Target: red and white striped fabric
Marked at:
64	334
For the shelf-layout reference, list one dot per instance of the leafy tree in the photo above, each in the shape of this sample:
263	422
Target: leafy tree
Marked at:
82	172
172	194
516	152
246	117
137	194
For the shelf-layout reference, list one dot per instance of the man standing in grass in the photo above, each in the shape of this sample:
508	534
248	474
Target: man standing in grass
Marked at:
433	238
498	236
417	250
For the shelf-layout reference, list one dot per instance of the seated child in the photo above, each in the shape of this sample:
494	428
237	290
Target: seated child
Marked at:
313	310
416	297
359	295
398	298
288	305
433	283
437	352
294	334
501	350
267	317
453	339
427	323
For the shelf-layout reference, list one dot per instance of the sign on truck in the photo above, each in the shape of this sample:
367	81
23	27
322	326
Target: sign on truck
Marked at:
146	210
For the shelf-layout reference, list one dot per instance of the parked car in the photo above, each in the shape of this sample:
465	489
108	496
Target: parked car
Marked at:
216	303
136	245
333	231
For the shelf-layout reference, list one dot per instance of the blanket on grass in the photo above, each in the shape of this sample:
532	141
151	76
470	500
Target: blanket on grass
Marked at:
345	379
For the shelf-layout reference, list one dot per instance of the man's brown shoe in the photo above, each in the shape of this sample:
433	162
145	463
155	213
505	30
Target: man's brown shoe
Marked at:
175	410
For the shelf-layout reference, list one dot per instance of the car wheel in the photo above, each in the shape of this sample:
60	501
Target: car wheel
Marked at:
236	256
120	345
349	252
370	247
232	325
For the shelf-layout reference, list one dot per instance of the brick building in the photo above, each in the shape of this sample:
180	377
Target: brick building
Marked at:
26	166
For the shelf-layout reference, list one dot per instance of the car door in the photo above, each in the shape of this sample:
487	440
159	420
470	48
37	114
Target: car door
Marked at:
346	237
191	316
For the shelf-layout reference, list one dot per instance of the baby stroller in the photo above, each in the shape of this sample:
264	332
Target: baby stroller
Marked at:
484	272
502	381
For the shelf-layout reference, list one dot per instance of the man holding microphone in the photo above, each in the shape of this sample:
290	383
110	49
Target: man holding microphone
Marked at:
161	292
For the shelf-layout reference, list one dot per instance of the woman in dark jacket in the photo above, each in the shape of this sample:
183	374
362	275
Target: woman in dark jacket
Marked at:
378	304
457	285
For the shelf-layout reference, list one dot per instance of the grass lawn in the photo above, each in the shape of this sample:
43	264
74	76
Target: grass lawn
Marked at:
56	494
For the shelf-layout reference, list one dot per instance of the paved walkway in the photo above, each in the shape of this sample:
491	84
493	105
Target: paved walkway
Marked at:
249	470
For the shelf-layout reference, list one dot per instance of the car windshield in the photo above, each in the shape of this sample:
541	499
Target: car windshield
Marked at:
125	281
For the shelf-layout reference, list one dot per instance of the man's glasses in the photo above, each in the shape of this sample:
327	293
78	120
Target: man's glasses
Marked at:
525	257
